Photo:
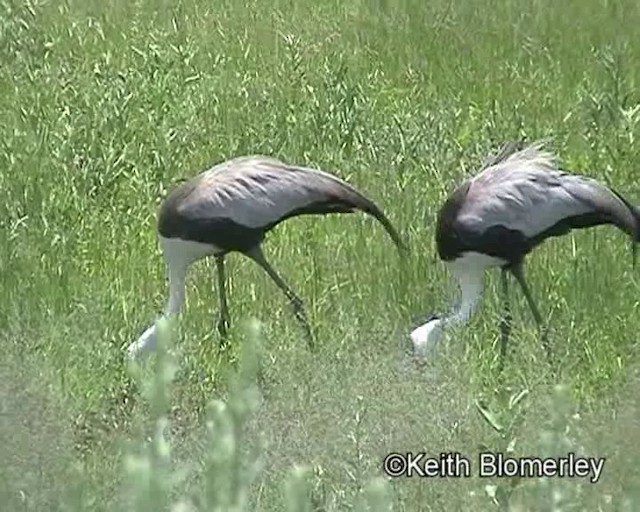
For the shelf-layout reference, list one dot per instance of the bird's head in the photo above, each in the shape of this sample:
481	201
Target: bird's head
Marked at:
146	342
426	334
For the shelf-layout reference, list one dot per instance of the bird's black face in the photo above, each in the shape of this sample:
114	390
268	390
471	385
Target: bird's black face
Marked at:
419	320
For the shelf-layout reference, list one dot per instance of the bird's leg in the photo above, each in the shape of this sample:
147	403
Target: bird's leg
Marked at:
518	272
505	322
224	321
298	307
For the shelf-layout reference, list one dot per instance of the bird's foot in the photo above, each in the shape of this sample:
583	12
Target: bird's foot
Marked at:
544	340
300	314
309	338
223	326
308	335
553	365
505	333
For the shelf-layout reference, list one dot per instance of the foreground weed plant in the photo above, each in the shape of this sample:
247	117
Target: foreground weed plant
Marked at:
229	473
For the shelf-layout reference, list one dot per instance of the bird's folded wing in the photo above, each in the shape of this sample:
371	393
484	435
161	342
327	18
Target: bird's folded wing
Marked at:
532	200
256	192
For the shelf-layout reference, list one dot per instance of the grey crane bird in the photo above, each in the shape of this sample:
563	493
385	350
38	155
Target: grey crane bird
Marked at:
230	208
518	200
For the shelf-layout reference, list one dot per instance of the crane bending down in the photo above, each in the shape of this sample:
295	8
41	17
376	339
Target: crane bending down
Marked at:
230	208
519	199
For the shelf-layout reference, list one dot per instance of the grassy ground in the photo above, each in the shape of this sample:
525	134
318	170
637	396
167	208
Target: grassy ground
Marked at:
103	108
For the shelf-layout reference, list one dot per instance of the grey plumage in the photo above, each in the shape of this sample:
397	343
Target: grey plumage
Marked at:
233	205
255	191
524	196
519	199
506	150
253	194
526	192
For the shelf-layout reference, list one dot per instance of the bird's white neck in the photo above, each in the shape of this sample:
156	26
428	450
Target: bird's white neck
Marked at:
469	272
471	291
428	334
148	340
177	277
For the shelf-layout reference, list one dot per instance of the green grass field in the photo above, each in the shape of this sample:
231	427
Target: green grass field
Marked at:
103	108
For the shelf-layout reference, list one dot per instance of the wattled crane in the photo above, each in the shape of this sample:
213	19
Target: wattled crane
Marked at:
519	199
230	208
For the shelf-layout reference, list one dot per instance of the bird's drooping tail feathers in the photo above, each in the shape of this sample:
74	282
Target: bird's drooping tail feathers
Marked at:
636	214
634	244
257	193
319	192
634	233
357	200
386	223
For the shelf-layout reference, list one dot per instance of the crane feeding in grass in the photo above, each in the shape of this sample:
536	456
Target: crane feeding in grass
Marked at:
518	200
230	208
